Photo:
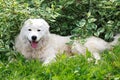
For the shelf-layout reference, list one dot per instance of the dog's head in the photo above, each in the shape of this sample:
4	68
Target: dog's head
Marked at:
33	30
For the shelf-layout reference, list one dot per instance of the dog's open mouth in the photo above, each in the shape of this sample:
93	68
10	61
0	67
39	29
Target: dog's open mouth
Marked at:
34	44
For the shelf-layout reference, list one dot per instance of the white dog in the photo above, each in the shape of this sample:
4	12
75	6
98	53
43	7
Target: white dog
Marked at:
35	41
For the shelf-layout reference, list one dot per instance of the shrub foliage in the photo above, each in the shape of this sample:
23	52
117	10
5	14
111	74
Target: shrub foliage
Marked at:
80	18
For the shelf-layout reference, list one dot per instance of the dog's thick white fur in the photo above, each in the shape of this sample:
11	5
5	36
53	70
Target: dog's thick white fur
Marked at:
35	41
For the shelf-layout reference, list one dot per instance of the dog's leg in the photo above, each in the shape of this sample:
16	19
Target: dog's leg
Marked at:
49	56
48	60
96	56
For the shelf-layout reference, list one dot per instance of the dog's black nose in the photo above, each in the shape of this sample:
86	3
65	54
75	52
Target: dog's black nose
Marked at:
34	38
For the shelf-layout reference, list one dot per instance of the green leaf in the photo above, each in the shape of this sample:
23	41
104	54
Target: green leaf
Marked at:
97	33
101	30
108	35
81	23
88	14
91	26
88	54
91	20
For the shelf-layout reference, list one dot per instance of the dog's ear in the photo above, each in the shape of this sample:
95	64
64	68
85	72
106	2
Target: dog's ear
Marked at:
28	21
44	22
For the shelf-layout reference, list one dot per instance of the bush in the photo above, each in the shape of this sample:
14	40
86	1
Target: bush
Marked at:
80	18
83	18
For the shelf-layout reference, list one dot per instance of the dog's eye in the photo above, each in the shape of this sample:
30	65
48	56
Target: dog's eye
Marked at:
29	30
38	30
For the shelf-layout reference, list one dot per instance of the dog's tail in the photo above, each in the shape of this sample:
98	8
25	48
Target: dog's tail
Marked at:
116	40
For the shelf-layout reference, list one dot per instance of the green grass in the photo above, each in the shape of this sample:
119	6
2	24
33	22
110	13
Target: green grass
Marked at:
15	67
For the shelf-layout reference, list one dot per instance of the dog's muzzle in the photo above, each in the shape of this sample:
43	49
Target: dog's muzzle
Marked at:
34	38
34	43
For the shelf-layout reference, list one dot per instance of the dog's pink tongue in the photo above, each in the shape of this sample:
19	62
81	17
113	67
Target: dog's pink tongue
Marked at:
34	44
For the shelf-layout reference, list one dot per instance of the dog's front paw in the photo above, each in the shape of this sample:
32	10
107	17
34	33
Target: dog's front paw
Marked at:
48	61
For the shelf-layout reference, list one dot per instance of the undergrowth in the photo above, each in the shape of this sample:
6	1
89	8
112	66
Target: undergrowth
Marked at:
76	67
